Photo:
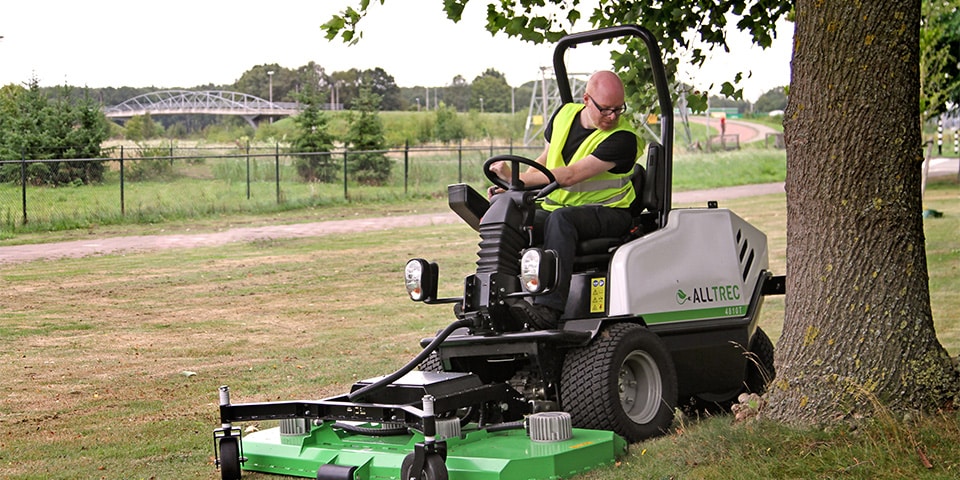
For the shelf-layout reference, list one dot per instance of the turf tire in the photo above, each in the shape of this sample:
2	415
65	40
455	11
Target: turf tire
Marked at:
623	381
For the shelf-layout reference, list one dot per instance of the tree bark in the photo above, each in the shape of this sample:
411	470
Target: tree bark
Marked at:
858	330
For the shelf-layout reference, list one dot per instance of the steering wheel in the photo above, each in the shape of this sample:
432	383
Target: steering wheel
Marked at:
515	183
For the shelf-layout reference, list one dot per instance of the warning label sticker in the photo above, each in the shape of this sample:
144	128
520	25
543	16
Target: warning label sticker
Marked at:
598	295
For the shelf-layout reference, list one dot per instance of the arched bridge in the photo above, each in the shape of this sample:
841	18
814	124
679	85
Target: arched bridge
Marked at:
210	102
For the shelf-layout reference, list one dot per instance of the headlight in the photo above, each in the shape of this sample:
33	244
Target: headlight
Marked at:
420	279
538	270
413	278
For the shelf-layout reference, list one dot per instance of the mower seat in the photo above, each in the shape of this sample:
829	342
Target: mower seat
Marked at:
596	252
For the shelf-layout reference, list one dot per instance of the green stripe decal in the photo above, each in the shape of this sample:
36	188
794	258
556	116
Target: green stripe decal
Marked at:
699	314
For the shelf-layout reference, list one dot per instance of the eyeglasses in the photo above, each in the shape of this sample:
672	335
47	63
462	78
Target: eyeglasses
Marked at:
606	112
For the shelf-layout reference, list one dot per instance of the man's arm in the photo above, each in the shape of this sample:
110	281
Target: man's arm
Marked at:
581	170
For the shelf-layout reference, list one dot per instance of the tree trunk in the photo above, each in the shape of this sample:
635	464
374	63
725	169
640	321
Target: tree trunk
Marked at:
858	330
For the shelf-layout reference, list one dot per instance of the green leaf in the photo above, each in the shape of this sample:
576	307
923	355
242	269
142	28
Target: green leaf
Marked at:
697	101
729	90
333	27
454	9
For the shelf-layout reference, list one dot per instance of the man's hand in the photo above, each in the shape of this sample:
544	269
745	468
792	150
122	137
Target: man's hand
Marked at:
502	170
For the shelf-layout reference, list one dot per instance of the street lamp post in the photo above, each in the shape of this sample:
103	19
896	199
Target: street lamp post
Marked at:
270	76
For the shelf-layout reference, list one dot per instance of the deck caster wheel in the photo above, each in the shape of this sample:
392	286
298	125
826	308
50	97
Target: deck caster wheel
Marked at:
433	468
229	458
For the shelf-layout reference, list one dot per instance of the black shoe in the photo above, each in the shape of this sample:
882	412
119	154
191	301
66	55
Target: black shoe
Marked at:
535	316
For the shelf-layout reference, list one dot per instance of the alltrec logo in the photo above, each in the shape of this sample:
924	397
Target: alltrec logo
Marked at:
715	293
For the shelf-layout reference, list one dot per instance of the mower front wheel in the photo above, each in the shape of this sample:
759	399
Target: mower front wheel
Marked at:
433	468
623	381
229	458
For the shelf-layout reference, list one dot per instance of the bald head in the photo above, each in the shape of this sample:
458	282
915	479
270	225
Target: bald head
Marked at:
605	86
604	92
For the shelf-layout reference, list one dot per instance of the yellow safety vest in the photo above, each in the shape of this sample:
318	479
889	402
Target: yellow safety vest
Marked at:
608	189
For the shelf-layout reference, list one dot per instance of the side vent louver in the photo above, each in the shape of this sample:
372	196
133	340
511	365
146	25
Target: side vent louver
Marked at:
746	254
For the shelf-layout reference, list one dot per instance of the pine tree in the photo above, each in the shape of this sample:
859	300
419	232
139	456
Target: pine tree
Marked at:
369	165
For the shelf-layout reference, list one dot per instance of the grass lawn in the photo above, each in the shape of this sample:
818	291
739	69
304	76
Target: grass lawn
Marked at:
110	365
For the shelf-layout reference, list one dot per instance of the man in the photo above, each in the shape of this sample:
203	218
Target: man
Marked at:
591	150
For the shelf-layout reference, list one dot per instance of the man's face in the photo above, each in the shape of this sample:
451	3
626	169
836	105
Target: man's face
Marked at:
603	109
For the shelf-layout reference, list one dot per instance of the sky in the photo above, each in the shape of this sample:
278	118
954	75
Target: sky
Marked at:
180	43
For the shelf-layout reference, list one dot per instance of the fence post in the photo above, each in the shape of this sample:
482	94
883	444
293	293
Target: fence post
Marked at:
23	184
491	147
346	196
511	145
123	210
460	162
939	135
248	170
406	164
276	164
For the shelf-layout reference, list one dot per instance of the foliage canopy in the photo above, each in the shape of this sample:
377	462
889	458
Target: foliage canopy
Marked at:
36	126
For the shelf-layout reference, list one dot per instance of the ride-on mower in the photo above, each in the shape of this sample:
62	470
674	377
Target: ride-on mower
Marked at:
665	315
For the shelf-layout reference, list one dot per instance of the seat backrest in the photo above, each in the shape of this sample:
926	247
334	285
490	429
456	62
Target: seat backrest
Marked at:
652	190
639	180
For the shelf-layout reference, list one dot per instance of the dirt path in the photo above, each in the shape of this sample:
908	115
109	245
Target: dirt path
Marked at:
142	243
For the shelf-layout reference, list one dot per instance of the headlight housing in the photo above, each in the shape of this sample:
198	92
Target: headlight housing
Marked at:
538	270
420	279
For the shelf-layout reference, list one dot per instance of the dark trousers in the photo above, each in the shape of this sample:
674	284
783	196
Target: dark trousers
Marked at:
564	228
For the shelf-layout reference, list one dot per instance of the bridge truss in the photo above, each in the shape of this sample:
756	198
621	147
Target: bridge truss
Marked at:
209	102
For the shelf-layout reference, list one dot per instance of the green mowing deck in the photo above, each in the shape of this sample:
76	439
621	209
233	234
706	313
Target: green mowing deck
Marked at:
475	455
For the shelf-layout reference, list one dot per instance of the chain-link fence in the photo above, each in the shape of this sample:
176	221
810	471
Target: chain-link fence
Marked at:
157	183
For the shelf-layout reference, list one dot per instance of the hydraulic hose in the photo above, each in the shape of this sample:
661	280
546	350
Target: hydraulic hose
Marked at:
383	382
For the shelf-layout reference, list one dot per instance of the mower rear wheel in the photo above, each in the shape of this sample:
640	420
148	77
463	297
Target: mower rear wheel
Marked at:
229	458
759	374
760	370
433	468
623	381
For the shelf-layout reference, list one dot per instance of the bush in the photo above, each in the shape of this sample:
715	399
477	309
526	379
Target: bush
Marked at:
150	168
317	167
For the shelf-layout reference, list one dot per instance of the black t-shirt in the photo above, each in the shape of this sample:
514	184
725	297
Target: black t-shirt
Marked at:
619	148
